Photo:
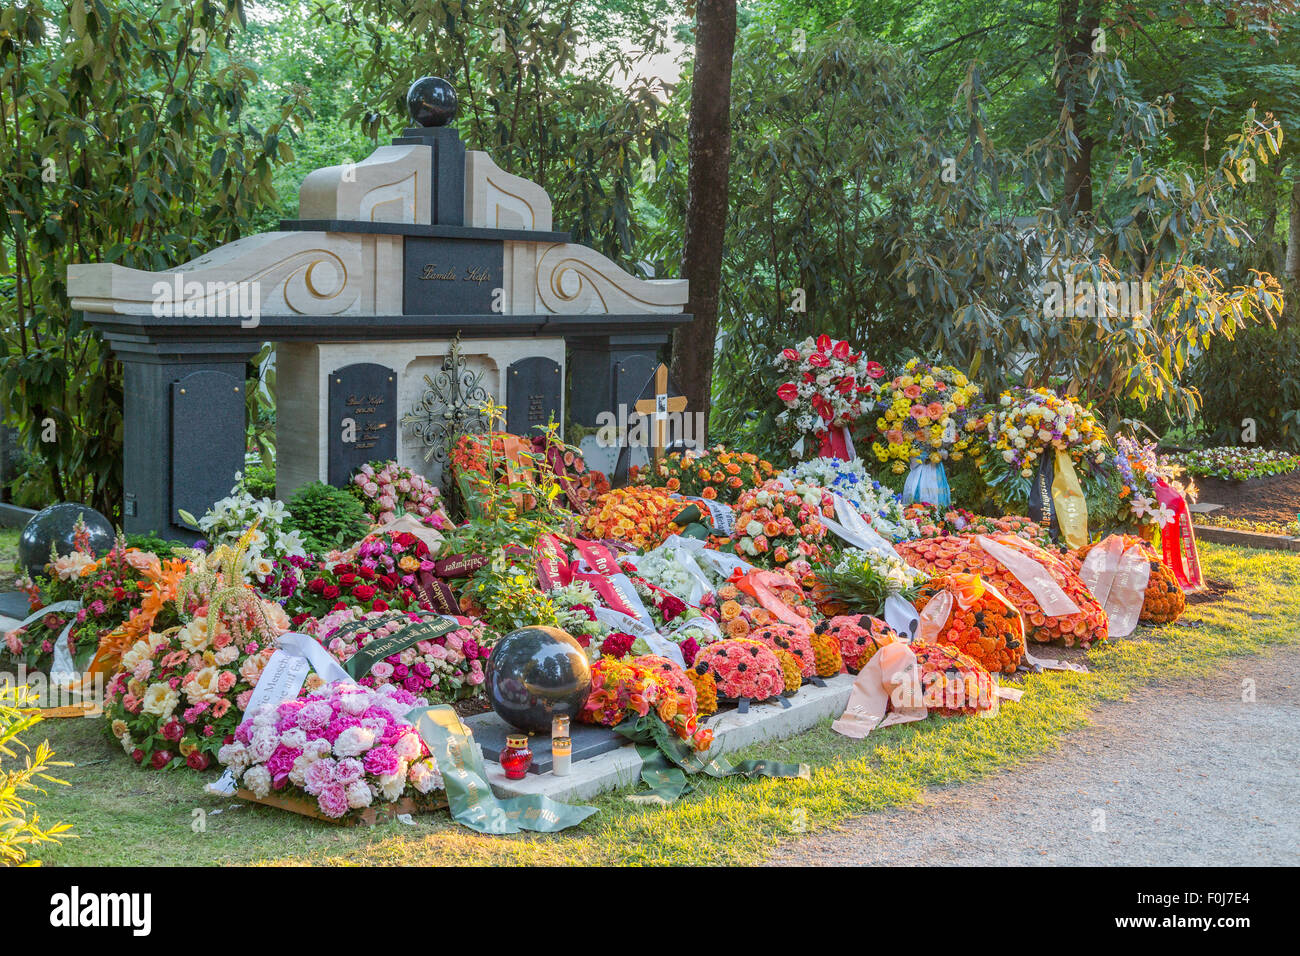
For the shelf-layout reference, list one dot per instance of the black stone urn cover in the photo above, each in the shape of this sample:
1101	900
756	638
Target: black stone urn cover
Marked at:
431	101
535	673
55	526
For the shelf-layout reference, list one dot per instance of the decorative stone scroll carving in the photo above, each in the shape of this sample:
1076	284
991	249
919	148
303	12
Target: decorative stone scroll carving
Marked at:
303	273
390	185
575	280
494	199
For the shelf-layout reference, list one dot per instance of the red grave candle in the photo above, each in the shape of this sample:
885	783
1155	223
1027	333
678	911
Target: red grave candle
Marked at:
516	758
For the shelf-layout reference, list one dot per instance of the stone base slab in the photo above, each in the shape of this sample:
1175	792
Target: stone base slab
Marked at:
732	731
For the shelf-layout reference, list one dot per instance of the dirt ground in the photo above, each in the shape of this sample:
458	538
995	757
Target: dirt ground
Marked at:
1275	500
1194	774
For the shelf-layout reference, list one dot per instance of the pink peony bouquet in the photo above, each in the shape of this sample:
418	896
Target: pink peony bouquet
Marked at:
344	746
444	669
388	490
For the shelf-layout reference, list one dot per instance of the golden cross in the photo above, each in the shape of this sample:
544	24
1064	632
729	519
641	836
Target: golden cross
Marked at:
659	407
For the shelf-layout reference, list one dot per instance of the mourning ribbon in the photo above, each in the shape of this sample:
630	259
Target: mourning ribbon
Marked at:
667	761
469	796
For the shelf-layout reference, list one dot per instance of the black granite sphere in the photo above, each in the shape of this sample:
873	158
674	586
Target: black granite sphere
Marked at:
55	526
431	101
535	673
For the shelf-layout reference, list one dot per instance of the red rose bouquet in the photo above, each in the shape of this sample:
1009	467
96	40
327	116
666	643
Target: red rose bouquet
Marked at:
827	388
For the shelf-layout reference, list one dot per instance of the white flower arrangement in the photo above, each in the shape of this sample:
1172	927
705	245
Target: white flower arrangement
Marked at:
227	520
882	508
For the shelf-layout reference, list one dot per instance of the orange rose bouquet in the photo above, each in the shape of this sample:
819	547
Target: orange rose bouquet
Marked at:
716	474
964	553
964	612
640	516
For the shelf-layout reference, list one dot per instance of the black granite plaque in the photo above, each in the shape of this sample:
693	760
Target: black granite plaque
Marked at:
533	387
452	276
589	740
207	440
362	418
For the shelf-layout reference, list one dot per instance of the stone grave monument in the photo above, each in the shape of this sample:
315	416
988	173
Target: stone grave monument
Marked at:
417	283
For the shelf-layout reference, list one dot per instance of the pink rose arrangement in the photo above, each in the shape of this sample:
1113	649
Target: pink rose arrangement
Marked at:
742	668
344	746
782	526
388	490
178	694
790	639
443	669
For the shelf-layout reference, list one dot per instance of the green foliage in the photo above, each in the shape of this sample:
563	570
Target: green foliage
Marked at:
326	517
1255	376
21	830
123	140
259	481
151	541
913	223
544	96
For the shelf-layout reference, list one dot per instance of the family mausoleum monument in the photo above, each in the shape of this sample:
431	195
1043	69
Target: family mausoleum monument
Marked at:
415	284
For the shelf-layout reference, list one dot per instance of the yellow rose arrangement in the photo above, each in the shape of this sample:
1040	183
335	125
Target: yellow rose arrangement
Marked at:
928	418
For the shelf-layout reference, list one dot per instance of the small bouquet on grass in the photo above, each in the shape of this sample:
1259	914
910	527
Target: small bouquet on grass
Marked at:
964	612
827	388
388	490
953	683
1163	601
344	747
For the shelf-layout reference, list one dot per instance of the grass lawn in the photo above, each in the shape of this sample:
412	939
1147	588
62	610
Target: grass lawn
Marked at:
8	557
126	815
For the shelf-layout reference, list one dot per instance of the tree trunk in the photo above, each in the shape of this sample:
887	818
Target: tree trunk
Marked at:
1293	236
1076	21
709	151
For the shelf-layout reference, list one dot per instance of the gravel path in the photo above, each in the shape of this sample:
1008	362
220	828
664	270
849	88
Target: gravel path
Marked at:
1181	775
